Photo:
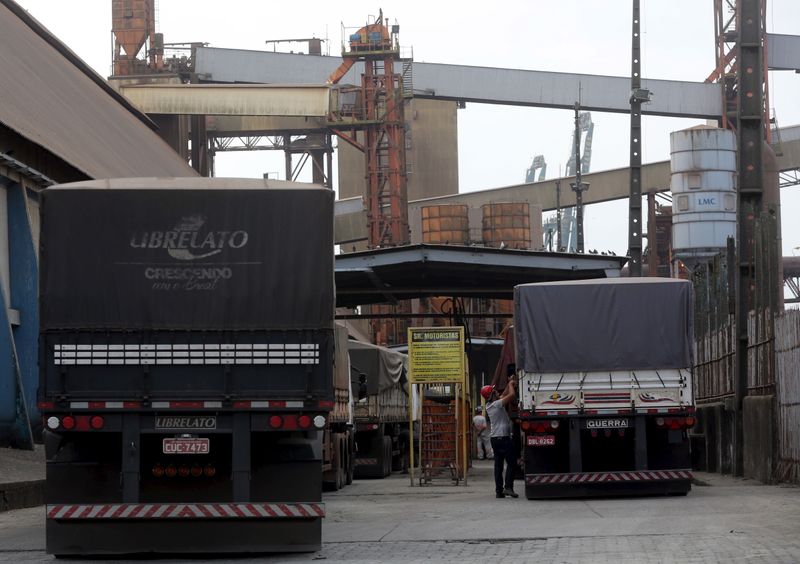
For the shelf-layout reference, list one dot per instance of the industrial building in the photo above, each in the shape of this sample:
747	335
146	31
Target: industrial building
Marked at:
396	121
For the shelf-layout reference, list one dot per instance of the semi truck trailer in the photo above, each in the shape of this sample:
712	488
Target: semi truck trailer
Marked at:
381	412
186	362
338	442
605	386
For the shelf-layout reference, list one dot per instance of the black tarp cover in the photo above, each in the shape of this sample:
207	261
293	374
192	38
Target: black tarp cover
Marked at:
171	258
383	367
598	325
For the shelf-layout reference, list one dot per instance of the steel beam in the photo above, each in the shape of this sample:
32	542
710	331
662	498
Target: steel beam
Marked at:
226	99
249	126
513	87
783	52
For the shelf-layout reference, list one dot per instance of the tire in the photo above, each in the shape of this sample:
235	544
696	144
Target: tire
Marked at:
336	483
351	461
341	470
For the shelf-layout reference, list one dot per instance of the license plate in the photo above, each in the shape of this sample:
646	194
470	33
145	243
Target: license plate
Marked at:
607	423
186	446
541	440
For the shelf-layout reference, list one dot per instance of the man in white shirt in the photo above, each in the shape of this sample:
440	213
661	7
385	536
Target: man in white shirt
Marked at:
502	444
482	435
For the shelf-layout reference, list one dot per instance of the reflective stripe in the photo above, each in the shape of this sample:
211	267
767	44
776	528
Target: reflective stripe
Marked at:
187	511
598	477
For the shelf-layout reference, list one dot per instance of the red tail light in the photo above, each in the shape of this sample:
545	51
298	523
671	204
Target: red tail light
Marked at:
197	471
675	423
276	421
183	471
68	422
97	422
158	471
170	471
304	421
540	426
209	471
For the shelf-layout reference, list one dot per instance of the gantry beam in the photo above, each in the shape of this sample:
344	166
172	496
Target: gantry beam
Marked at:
783	52
489	85
233	100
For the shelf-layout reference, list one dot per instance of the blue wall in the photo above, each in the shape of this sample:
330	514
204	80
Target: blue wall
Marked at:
19	375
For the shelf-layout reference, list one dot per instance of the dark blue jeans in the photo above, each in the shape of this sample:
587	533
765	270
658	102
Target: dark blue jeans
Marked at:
504	450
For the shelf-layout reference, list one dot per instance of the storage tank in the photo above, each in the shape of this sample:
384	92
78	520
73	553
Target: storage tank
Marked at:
703	184
445	224
507	224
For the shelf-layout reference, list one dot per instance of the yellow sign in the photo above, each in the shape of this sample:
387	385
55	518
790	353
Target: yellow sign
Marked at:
436	355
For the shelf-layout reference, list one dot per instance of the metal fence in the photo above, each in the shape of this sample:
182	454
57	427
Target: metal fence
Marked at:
715	359
787	368
760	353
715	364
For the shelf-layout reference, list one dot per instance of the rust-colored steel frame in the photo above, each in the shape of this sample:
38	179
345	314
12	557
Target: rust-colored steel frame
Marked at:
387	199
381	118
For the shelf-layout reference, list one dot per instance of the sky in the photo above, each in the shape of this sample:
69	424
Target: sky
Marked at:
496	143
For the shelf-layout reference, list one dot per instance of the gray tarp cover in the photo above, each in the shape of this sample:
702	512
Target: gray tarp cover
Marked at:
595	325
221	257
384	367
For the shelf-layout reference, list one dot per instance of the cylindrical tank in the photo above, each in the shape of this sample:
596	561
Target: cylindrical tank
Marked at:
445	224
703	184
507	225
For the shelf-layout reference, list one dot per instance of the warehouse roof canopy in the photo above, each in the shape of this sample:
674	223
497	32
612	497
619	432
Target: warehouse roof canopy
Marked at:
51	97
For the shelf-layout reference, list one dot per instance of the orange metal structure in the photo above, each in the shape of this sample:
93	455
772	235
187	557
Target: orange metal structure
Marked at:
133	26
381	118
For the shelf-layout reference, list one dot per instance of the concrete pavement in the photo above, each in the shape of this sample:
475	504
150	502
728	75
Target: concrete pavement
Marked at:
21	478
730	520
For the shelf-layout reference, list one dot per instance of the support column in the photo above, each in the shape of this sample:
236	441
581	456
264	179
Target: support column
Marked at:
635	202
751	133
199	145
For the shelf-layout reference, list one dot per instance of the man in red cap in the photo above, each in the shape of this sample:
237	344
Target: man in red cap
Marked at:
502	445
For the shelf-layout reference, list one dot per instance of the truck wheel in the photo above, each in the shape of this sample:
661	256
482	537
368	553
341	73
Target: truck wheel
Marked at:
351	461
334	483
341	468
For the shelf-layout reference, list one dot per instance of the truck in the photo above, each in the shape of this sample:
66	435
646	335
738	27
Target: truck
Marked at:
338	442
186	364
605	386
381	409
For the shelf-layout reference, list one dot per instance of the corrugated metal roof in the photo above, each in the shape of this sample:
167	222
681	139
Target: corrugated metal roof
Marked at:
51	97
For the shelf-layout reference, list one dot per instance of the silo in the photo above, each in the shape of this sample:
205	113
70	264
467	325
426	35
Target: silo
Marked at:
703	184
445	224
507	224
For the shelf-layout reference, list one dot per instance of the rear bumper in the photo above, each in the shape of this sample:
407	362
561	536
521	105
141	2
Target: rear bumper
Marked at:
183	528
583	484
